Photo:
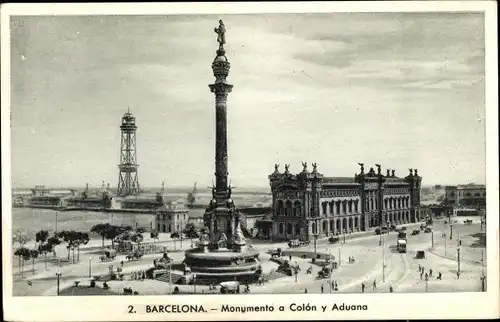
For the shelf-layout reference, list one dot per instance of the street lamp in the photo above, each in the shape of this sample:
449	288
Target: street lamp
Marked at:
90	267
432	239
383	261
58	275
194	283
458	258
296	271
451	231
444	244
315	236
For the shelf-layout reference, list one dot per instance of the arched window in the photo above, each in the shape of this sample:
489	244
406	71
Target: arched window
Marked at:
344	207
169	228
288	209
385	203
350	206
281	228
331	207
289	228
296	208
356	206
280	208
314	228
337	206
323	206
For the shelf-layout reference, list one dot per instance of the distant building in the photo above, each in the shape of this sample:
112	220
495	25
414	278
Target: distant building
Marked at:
467	196
195	217
308	204
171	217
141	202
465	200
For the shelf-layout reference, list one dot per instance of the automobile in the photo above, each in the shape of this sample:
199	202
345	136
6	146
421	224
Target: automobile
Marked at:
420	254
428	230
415	232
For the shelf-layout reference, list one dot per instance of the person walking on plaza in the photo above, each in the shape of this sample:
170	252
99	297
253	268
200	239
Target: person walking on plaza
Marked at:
458	275
362	287
336	286
374	284
391	289
305	290
419	268
333	285
290	258
322	289
430	272
421	274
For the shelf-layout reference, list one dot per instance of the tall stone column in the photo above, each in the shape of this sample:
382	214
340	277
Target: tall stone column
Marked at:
221	89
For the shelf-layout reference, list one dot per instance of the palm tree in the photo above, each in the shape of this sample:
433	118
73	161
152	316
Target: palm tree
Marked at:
79	238
33	254
102	230
24	254
41	237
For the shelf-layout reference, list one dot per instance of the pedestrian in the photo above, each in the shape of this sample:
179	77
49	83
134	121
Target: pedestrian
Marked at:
430	272
322	289
336	286
458	275
423	269
374	284
333	284
419	268
121	263
426	277
305	290
439	276
391	289
290	258
421	274
362	287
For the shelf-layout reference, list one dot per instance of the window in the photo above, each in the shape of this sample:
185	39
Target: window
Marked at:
169	228
344	207
323	205
281	228
289	228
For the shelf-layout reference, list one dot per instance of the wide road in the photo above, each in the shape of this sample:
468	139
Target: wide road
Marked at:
401	269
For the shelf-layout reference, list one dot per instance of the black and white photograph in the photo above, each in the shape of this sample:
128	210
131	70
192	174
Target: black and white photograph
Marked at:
320	153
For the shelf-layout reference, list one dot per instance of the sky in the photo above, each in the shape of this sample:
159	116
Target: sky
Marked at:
404	90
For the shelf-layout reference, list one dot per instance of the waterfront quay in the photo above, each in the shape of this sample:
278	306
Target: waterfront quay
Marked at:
401	271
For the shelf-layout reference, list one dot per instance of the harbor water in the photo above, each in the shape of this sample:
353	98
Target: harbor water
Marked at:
33	220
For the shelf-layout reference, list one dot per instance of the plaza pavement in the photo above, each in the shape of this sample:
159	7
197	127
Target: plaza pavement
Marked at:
401	269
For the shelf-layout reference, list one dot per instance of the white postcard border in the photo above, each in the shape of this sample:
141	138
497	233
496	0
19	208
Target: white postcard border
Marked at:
380	306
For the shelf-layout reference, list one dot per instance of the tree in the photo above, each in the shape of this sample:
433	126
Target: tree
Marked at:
41	237
20	237
137	238
33	255
102	230
78	239
140	230
154	235
45	249
190	231
23	254
66	236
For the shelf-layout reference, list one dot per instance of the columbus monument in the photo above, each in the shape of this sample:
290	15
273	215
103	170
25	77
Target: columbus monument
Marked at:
222	253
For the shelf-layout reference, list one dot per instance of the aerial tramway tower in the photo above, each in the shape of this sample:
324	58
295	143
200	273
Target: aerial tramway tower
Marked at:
128	180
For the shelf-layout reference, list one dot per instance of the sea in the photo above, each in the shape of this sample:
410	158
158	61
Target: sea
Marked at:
33	220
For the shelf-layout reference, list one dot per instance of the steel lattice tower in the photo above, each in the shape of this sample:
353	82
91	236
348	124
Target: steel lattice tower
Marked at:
128	180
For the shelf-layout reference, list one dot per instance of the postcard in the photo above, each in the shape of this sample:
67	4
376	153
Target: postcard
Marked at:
221	161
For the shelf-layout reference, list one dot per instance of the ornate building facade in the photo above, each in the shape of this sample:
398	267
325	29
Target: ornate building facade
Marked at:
307	203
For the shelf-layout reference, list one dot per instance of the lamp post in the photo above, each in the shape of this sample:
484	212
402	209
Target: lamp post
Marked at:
344	235
170	276
483	277
432	239
383	261
194	283
315	236
451	231
296	271
458	258
58	275
444	244
90	267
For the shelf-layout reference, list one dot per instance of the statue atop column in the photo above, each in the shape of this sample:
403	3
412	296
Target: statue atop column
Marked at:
221	34
362	166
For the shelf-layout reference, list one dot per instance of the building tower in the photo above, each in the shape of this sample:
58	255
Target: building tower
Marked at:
221	216
128	180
